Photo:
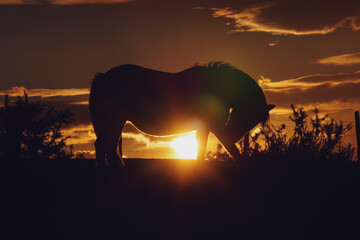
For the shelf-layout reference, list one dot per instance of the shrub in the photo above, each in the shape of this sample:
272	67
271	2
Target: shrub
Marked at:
33	130
314	138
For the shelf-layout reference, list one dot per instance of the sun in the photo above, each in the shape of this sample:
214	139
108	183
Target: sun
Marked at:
185	146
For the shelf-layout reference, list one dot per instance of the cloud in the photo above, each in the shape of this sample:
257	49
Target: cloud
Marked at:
340	60
45	93
75	99
335	94
80	103
146	141
87	153
135	143
84	134
199	8
12	2
291	17
274	43
80	134
82	137
308	82
323	93
63	2
334	109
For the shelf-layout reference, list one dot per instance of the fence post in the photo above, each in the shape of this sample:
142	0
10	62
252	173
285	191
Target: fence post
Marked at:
357	127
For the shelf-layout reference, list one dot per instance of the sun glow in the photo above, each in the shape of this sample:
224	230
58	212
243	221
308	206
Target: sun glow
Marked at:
185	146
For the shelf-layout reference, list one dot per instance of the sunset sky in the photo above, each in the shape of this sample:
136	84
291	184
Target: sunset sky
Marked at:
301	52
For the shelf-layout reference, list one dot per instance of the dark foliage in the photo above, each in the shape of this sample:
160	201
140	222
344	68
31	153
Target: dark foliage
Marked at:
313	138
33	131
218	155
273	193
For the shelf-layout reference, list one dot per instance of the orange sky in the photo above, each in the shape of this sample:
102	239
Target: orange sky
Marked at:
303	52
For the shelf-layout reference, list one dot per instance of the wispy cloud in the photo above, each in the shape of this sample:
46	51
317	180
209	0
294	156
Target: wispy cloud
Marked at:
45	93
84	133
80	134
310	81
87	153
145	141
336	94
291	17
340	60
332	108
80	103
135	144
274	43
63	2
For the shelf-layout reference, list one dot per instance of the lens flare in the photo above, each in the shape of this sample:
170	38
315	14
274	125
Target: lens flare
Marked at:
185	146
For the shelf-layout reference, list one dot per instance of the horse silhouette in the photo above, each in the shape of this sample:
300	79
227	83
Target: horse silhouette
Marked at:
215	98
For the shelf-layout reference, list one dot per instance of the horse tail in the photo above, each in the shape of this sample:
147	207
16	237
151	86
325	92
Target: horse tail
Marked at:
96	89
96	82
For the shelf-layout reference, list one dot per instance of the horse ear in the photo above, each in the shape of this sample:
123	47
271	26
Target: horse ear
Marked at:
269	107
230	111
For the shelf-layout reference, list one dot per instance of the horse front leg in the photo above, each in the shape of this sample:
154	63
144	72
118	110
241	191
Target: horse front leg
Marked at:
233	150
111	152
100	153
230	144
115	143
201	138
120	150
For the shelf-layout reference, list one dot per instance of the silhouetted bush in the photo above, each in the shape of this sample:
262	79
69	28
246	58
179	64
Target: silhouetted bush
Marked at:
218	155
33	131
312	138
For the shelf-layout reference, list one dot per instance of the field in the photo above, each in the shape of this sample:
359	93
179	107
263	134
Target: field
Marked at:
179	199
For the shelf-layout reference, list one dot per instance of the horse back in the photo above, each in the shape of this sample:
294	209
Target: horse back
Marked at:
144	96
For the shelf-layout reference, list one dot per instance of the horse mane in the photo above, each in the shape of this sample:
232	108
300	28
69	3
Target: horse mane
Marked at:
96	79
217	65
220	66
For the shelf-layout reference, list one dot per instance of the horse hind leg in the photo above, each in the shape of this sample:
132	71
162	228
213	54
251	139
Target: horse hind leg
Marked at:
231	147
100	153
120	150
114	143
112	156
201	138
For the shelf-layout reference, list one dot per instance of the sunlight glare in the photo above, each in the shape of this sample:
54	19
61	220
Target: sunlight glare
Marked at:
185	146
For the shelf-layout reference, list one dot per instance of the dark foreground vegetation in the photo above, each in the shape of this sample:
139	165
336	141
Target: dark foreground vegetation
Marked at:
31	130
178	199
303	185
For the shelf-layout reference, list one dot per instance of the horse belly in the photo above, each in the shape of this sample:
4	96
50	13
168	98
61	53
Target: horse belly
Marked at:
165	125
